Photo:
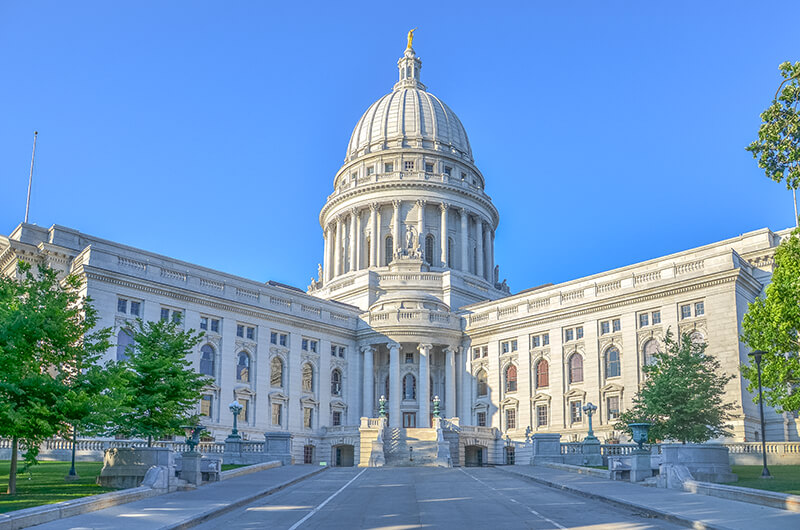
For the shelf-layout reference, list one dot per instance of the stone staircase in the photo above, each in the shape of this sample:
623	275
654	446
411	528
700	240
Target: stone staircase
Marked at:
401	444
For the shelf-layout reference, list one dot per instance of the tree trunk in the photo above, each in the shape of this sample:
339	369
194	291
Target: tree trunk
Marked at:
149	441
12	472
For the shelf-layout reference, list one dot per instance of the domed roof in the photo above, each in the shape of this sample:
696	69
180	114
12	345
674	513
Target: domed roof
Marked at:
409	116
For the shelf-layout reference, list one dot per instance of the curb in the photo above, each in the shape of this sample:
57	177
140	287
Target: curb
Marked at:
202	517
660	514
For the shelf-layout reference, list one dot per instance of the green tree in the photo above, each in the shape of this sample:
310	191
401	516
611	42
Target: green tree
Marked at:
683	394
772	324
778	146
47	341
162	387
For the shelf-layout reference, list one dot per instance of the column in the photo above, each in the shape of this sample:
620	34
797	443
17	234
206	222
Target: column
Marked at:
378	238
353	236
491	257
423	387
443	232
325	262
369	384
480	260
450	382
337	249
395	389
374	235
421	228
466	386
396	237
464	240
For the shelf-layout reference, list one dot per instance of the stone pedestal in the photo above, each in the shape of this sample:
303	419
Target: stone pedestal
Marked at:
706	462
278	446
546	447
591	452
126	467
641	468
190	468
442	450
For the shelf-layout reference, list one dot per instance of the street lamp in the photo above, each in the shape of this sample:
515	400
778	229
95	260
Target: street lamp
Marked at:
590	409
756	355
382	407
436	402
235	407
73	475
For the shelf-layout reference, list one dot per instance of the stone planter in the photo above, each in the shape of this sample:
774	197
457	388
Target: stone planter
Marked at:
706	462
125	467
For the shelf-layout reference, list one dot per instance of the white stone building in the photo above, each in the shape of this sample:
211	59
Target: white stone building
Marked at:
408	305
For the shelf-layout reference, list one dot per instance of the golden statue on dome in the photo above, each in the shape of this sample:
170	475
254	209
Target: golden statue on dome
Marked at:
411	37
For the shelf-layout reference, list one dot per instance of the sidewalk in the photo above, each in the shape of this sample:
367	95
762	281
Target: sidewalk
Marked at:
693	510
184	509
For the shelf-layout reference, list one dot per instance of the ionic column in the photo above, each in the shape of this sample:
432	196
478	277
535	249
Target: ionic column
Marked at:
379	240
395	388
369	385
491	256
423	388
421	227
450	382
337	249
396	226
480	260
464	240
443	232
374	237
326	248
353	241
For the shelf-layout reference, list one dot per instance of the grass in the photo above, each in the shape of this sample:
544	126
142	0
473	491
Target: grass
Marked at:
44	484
226	467
786	479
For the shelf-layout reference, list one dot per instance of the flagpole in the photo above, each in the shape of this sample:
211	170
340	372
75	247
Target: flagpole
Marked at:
30	177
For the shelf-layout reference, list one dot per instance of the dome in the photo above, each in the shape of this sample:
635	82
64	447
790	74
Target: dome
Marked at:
409	116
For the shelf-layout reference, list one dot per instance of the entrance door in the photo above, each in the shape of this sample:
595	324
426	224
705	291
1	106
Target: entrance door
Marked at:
308	454
409	420
343	456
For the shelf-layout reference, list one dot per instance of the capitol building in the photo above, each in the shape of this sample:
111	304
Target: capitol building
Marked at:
408	305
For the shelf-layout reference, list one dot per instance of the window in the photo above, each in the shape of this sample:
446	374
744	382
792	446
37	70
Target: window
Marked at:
511	419
464	177
277	412
649	351
337	418
245	331
616	325
605	327
573	334
388	167
333	351
310	345
449	251
541	415
370	170
278	338
535	341
244	414
508	346
612	362
207	323
511	378
307	378
122	305
206	405
207	360
124	340
686	311
483	383
341	351
388	250
354	176
409	357
644	320
307	418
542	374
243	367
480	351
428	168
481	419
429	249
575	368
656	317
408	165
164	313
540	340
509	450
448	170
276	373
579	332
699	309
612	407
171	314
409	387
336	383
575	412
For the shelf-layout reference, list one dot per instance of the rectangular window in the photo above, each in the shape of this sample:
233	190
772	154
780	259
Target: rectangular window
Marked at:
616	324
686	311
307	418
464	177
579	332
508	346
644	320
656	317
136	308
341	351
511	419
545	339
535	341
333	351
283	339
251	333
370	170
240	330
612	406
541	415
310	345
206	404
204	323
408	165
304	344
277	410
485	351
354	176
177	316
605	327
448	170
476	352
699	309
164	313
569	335
409	358
575	412
388	167
337	418
215	325
481	419
428	168
122	305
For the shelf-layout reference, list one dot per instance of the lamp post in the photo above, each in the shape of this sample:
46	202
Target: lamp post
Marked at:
436	402
235	407
73	475
756	355
382	407
590	409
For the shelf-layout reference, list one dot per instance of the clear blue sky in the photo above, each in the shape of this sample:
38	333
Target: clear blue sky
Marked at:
608	132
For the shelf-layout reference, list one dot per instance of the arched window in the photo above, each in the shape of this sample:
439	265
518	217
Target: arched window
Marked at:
542	374
450	252
124	340
483	383
429	249
409	387
575	368
336	383
511	378
207	360
649	352
276	373
243	367
307	375
612	362
389	250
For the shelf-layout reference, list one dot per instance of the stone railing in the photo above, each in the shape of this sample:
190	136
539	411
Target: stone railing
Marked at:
792	448
423	176
572	448
473	430
372	423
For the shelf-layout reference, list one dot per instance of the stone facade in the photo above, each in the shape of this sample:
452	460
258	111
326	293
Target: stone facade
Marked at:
408	304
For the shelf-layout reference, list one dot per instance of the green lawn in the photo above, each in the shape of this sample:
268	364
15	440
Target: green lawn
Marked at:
226	467
785	479
45	484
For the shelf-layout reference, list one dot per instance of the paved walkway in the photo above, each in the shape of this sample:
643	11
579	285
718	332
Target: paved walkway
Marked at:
694	510
183	509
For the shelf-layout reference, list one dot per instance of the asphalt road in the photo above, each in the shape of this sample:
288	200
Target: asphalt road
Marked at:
402	498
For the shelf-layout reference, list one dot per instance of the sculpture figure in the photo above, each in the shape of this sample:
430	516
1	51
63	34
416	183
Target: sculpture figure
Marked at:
411	37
